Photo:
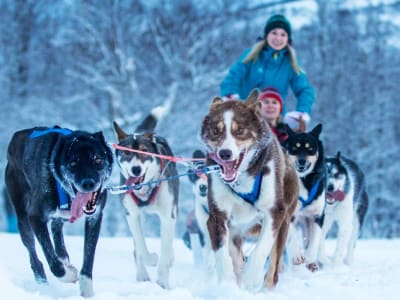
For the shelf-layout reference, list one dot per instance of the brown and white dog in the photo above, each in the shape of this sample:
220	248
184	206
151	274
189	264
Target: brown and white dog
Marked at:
257	186
159	198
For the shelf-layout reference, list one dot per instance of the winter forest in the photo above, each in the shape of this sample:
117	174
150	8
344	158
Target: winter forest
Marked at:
83	64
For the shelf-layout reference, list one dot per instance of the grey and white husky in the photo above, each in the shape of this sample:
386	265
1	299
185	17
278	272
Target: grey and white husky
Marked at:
347	204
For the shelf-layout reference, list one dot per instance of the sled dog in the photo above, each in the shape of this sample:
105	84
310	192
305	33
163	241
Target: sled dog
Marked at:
54	175
347	204
196	236
160	198
257	186
307	154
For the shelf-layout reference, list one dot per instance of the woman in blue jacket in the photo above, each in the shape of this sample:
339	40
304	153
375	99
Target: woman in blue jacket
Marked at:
271	63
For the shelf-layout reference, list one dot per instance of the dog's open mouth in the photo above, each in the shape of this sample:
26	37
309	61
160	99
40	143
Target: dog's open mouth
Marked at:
134	180
302	167
332	197
229	168
83	203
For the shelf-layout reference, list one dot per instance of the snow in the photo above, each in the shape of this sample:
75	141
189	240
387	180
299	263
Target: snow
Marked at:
374	275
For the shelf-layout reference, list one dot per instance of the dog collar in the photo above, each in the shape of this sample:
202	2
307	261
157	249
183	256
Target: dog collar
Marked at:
153	193
251	197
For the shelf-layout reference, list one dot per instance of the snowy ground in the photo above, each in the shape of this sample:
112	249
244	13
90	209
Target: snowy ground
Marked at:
374	275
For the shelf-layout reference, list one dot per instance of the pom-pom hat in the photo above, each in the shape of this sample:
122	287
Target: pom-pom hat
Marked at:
278	21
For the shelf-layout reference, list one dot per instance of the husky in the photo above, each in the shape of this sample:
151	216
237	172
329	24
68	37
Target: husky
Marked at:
196	236
307	154
347	204
160	198
54	175
257	186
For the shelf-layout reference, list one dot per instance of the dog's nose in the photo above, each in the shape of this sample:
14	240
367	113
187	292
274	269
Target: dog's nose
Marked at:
136	170
330	188
302	161
88	184
225	154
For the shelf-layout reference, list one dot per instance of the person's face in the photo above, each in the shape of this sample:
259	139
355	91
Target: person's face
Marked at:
277	38
270	109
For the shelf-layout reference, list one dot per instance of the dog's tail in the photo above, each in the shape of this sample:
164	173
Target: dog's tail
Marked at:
156	114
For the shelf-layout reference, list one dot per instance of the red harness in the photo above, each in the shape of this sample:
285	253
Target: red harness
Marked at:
153	193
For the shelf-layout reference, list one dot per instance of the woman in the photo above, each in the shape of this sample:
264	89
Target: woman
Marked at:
271	62
271	109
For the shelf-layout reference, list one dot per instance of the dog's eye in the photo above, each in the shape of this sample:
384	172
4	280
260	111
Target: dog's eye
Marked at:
73	164
127	153
143	148
215	130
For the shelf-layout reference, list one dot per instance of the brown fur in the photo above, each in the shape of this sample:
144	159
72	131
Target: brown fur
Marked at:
249	131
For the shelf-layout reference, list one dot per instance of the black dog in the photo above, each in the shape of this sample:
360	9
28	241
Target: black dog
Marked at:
54	174
307	153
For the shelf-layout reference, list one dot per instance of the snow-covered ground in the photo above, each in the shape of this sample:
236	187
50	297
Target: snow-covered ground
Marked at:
374	275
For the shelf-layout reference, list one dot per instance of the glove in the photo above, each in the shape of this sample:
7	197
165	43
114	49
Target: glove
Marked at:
231	97
293	119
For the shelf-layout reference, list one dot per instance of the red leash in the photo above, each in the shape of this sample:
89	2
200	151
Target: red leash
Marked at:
171	158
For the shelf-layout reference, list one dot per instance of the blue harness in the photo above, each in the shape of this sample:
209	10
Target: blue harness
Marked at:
63	198
251	197
311	195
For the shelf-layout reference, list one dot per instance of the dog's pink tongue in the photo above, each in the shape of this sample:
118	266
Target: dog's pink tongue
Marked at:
229	172
80	200
337	195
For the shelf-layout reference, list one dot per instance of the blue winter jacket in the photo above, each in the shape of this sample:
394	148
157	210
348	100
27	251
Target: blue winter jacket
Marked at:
269	70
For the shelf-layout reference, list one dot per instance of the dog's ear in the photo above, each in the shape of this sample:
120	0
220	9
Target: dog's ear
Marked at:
316	131
289	130
120	133
216	100
198	154
252	98
338	155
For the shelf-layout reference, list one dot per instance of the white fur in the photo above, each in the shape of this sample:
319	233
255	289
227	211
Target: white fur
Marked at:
163	207
348	228
243	217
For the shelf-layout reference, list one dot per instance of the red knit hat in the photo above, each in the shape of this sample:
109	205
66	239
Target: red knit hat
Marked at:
270	92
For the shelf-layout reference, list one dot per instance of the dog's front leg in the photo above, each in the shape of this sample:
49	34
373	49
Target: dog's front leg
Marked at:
217	228
314	244
141	254
253	273
92	231
166	257
64	273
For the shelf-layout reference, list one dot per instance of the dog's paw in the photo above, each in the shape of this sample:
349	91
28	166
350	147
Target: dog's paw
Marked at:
312	266
252	277
142	276
151	259
298	259
163	275
86	286
71	274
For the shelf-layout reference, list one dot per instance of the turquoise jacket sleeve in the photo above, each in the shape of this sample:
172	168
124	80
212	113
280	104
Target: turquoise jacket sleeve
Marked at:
303	92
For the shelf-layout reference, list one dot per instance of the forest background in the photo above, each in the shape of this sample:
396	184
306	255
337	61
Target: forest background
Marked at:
83	64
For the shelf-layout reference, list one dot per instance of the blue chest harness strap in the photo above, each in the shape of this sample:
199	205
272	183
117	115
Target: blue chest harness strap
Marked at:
252	197
311	195
63	198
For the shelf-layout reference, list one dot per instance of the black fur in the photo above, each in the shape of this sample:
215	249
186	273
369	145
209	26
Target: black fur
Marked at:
79	161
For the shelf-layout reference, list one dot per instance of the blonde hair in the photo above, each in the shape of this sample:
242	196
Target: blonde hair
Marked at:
255	52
